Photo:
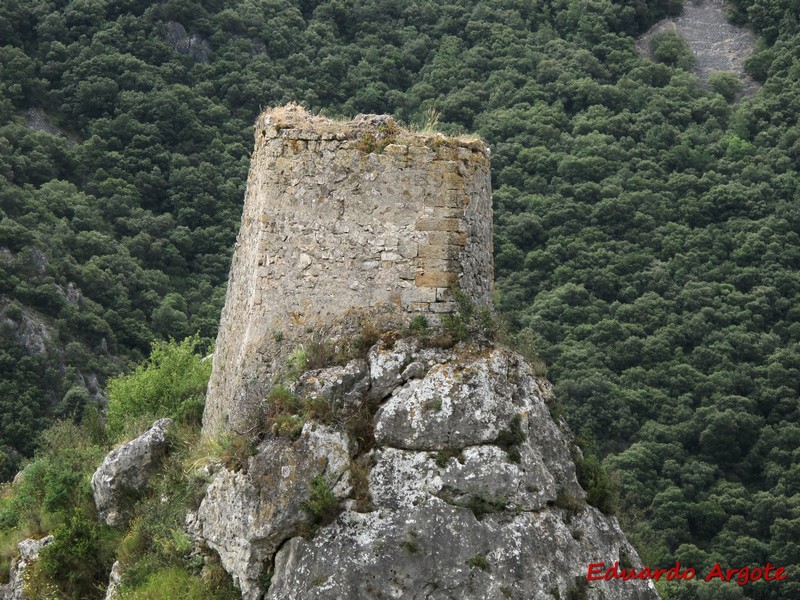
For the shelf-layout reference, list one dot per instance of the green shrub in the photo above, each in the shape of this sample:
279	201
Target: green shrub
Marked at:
418	324
290	426
578	591
56	481
481	505
282	400
444	455
8	552
758	64
170	384
509	439
600	492
671	49
297	363
156	540
322	503
359	477
569	503
527	342
479	561
469	321
76	562
726	84
178	582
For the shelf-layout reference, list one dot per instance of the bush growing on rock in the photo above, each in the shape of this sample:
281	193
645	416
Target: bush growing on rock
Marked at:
170	384
75	562
726	84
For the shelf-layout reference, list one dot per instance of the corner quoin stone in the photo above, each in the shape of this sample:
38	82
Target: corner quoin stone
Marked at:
342	217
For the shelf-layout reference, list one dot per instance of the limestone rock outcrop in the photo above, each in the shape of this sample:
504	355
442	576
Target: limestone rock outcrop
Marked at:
246	515
28	552
127	469
472	484
114	581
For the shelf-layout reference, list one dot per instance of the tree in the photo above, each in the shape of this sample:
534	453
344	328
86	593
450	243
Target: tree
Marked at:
671	49
726	84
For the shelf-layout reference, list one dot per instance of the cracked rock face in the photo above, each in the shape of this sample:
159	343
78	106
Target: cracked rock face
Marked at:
439	552
472	485
245	516
28	552
127	469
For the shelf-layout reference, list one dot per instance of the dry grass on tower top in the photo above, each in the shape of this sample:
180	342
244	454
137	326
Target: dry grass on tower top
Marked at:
294	122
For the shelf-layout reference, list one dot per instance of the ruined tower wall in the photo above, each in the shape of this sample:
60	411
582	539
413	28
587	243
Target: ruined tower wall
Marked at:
341	217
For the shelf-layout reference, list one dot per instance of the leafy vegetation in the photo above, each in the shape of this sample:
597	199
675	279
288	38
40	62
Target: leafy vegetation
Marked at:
600	491
322	503
479	561
53	496
78	558
509	439
172	383
646	228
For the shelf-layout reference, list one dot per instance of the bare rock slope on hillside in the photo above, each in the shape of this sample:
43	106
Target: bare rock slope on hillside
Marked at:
717	45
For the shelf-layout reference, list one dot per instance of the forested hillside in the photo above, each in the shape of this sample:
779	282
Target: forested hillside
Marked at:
646	228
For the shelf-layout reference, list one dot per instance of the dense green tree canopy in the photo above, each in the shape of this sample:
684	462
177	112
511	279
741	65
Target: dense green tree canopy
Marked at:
646	228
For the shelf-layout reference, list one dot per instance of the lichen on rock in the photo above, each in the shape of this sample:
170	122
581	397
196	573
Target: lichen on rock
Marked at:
126	470
246	515
28	553
467	483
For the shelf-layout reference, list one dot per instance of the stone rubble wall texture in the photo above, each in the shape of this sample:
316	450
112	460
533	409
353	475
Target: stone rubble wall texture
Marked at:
342	216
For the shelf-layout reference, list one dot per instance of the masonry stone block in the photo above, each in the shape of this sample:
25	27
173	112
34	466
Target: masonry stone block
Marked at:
340	216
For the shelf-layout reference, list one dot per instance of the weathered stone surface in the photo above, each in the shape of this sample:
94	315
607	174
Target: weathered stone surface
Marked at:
194	45
114	581
342	387
469	402
127	470
466	475
440	552
246	516
29	329
386	367
28	553
486	472
333	222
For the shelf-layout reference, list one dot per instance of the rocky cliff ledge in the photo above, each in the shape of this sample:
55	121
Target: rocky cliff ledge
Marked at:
461	486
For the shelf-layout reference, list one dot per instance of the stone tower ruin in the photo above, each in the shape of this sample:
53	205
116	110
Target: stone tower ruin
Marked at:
343	218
